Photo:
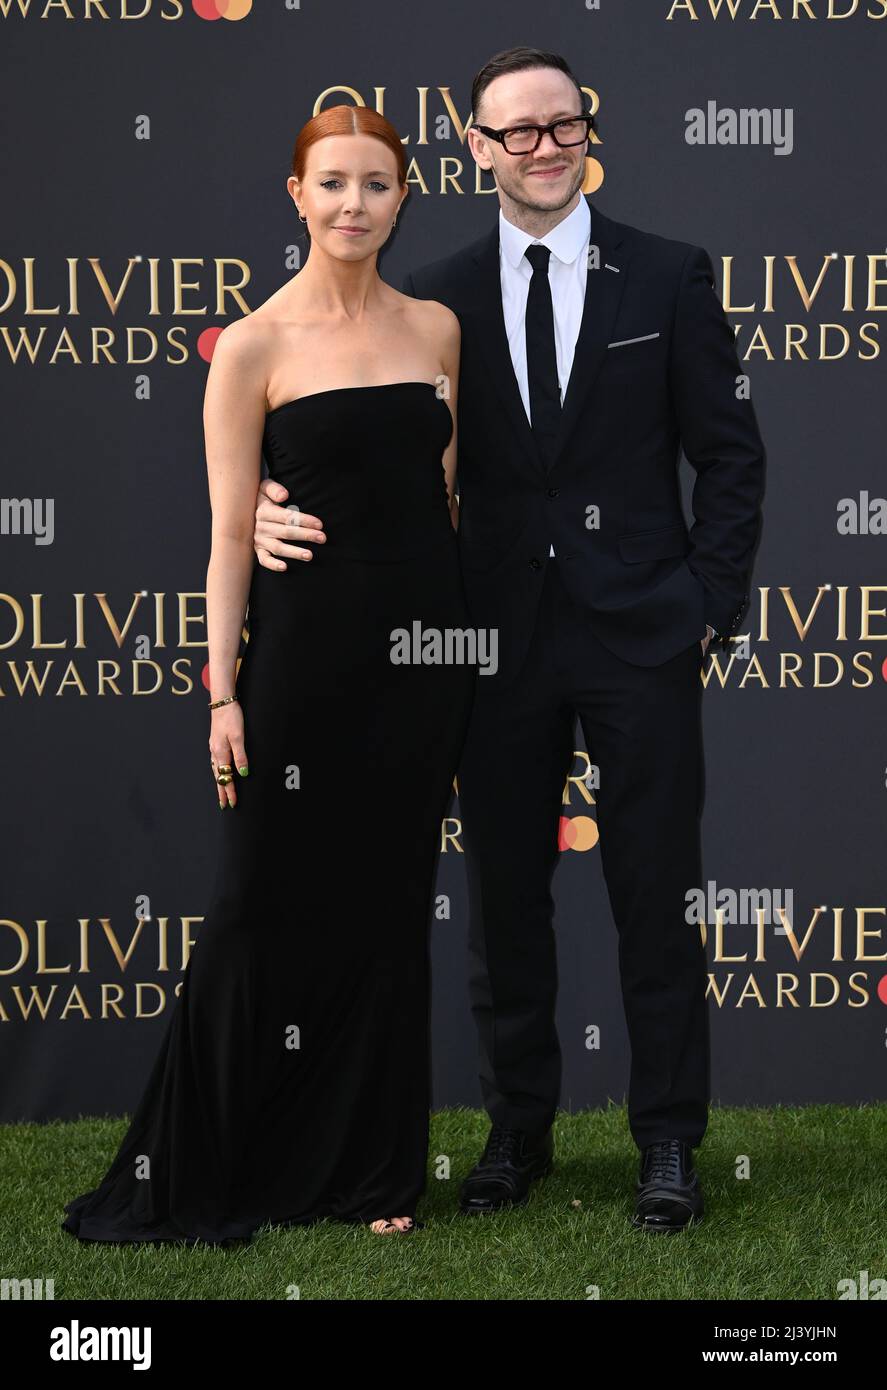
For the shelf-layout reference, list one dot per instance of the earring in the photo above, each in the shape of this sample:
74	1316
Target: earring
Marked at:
302	219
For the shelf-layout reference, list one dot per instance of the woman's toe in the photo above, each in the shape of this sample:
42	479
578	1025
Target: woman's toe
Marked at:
385	1227
382	1227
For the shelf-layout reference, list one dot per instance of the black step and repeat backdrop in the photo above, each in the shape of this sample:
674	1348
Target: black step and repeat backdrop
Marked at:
144	162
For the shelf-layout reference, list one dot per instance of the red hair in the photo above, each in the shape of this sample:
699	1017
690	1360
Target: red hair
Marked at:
347	120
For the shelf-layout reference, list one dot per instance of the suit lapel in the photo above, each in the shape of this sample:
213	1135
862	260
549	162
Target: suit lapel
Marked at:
604	288
489	325
603	293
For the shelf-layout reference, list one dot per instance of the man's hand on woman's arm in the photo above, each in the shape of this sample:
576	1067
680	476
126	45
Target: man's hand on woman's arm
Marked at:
279	528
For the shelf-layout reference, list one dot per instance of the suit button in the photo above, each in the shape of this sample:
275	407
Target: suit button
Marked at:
553	492
534	564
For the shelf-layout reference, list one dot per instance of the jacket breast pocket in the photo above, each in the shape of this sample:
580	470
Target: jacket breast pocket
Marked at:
625	345
654	545
634	359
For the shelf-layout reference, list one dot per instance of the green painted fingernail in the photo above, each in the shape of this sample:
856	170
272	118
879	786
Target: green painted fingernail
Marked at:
244	771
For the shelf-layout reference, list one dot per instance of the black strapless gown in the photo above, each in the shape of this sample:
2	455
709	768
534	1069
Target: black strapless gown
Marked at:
293	1080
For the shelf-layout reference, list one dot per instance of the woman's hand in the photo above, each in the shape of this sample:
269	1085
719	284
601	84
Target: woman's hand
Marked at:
227	749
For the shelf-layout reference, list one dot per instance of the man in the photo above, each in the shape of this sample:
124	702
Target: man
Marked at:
591	353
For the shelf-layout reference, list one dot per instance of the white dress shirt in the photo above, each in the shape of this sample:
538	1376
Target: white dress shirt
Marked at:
567	274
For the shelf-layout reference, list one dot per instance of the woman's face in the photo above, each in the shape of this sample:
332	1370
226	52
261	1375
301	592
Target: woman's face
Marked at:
350	195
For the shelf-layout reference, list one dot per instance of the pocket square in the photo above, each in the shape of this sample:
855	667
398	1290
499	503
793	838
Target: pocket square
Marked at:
624	342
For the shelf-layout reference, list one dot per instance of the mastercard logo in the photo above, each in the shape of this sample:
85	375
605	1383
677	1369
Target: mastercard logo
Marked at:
222	9
206	342
577	832
594	175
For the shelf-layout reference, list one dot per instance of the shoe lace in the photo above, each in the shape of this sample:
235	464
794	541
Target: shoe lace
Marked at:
663	1161
502	1143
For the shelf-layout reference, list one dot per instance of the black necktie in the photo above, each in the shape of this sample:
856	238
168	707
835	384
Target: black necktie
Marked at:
545	396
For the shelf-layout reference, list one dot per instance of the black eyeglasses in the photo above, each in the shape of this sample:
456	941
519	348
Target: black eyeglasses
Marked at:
524	139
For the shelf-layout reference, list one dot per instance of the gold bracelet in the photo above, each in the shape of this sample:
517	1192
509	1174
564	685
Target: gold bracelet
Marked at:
215	704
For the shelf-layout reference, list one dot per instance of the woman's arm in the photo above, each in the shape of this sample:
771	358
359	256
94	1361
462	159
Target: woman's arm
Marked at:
233	421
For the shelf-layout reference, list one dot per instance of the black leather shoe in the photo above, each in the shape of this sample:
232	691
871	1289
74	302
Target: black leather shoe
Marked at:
510	1162
669	1194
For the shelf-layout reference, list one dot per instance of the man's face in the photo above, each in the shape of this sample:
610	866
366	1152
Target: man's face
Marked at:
550	177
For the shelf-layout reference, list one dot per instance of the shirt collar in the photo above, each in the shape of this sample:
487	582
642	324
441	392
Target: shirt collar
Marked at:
565	241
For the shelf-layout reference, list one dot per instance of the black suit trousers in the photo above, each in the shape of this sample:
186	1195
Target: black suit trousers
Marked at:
642	728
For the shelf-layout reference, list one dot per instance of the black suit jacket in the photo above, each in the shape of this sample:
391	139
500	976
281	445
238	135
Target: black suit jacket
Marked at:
655	370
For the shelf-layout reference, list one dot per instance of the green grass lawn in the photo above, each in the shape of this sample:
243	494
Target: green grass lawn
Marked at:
812	1212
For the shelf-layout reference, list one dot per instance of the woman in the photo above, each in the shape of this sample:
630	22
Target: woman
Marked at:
293	1082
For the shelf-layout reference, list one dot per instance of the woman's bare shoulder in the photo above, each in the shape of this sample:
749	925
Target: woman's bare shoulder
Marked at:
247	349
441	320
247	334
253	338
